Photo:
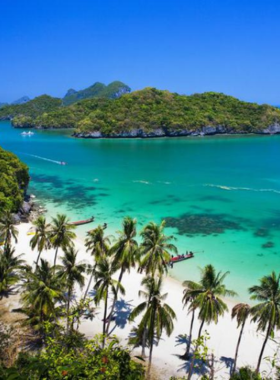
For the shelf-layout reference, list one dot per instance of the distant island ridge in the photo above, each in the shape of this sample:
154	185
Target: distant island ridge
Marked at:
113	111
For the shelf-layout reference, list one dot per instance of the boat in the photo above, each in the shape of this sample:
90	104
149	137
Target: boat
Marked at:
80	222
179	258
29	133
62	163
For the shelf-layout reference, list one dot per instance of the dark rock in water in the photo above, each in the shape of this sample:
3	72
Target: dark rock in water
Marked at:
269	244
261	232
204	224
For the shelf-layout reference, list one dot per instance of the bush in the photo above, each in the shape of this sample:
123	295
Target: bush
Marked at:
61	360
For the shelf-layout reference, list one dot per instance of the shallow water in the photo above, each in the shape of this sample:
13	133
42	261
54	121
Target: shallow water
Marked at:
219	195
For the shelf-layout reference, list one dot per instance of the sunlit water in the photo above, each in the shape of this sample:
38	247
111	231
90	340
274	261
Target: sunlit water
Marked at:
221	195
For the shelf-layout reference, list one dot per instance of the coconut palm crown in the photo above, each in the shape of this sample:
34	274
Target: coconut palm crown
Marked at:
41	238
61	233
158	316
207	293
267	312
155	250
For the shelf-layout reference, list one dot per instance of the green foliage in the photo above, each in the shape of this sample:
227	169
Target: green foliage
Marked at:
23	114
14	180
146	110
158	316
97	90
246	373
150	108
206	294
10	269
85	359
155	250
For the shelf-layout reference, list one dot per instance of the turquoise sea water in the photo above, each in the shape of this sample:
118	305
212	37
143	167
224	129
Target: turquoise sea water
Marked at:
220	195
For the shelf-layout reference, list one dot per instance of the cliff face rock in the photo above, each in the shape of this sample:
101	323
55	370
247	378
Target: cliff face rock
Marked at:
272	129
121	91
161	132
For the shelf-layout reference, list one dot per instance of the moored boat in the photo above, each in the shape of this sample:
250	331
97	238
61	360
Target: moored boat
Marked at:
80	222
179	258
29	133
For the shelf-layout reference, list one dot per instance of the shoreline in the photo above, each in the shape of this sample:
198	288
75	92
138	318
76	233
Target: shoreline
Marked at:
166	361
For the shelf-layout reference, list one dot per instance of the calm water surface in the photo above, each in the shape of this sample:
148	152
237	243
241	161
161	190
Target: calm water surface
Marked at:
219	195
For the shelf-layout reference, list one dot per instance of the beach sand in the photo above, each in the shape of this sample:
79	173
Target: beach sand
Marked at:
166	361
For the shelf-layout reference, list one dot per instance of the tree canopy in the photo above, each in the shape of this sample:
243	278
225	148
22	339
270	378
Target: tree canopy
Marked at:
14	180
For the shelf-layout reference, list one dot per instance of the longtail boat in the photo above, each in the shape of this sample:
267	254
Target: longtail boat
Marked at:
179	258
80	222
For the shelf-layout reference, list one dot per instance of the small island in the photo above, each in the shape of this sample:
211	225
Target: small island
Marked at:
145	113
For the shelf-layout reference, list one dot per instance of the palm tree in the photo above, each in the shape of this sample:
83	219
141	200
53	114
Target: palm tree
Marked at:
10	267
158	316
98	245
155	248
104	283
267	312
241	312
8	231
206	295
188	301
71	272
41	292
124	253
61	233
41	238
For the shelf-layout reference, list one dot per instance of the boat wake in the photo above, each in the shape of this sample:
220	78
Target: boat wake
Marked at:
45	159
164	182
140	181
231	188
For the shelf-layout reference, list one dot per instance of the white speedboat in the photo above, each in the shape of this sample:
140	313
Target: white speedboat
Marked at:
29	133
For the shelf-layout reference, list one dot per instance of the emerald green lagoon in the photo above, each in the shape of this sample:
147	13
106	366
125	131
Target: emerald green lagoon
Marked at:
219	195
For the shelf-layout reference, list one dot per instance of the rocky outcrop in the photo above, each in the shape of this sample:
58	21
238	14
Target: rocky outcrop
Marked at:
121	91
271	129
163	132
158	132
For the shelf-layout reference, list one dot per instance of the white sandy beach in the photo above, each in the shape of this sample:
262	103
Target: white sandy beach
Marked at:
223	337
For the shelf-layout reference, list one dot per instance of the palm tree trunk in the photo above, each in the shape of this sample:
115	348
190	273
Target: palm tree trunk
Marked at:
115	300
237	347
186	355
193	358
151	345
152	340
144	342
38	257
104	319
200	329
68	308
55	256
8	240
89	283
86	292
264	344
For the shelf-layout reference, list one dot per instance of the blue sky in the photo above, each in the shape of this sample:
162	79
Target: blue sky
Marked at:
187	46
